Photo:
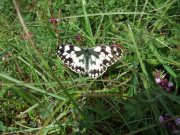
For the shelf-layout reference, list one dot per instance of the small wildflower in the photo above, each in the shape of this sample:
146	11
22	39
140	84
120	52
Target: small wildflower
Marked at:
177	121
161	80
171	125
158	80
170	84
161	119
78	38
54	20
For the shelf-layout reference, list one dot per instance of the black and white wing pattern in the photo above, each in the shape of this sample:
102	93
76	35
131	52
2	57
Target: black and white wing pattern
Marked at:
73	57
101	58
93	62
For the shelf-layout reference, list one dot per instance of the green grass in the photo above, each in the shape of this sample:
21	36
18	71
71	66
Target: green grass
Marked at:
39	95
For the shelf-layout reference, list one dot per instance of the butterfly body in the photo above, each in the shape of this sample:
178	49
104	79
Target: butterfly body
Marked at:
93	61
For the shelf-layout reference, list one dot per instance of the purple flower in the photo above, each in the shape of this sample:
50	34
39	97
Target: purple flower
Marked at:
78	38
53	20
170	125
161	80
161	119
177	121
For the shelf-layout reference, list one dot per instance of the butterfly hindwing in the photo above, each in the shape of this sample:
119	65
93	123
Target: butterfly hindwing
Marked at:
72	56
108	54
96	68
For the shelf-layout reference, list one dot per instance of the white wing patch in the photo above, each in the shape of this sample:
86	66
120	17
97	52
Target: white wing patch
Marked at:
68	55
76	48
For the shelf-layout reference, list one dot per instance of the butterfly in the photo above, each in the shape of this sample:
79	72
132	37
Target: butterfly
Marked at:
91	61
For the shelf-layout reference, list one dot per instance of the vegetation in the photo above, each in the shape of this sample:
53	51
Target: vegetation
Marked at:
137	95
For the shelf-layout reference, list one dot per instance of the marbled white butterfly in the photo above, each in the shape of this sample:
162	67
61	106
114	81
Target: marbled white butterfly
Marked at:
93	61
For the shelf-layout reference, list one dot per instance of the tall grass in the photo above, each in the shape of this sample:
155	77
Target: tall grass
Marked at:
39	95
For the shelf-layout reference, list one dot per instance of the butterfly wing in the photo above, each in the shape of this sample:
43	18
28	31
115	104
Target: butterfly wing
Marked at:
73	57
102	57
96	67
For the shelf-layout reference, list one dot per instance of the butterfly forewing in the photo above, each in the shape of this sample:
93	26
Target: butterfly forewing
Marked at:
101	58
108	54
72	56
